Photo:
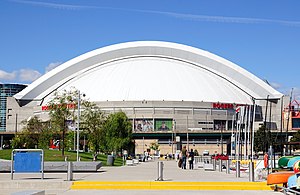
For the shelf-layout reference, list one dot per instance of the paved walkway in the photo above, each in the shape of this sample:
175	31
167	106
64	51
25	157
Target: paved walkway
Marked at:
55	183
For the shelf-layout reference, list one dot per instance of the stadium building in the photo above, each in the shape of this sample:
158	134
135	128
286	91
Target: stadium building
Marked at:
174	94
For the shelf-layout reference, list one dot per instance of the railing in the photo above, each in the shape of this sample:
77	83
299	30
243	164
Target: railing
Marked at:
205	159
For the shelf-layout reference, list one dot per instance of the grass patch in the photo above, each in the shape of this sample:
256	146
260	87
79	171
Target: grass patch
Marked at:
55	155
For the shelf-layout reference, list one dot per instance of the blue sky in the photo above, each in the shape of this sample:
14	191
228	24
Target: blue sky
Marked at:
261	36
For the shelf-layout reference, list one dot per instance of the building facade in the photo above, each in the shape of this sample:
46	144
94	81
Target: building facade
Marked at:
7	90
174	94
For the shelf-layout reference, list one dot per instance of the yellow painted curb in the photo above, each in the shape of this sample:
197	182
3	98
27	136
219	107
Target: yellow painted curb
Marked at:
168	185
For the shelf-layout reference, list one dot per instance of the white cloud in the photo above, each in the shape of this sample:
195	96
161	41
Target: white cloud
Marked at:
288	90
52	66
193	17
296	93
276	85
24	75
8	76
28	75
226	19
53	5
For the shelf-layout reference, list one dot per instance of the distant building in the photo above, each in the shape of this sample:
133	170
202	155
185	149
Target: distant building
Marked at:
7	90
169	91
291	116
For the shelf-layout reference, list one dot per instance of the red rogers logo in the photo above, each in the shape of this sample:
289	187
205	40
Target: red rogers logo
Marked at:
68	106
226	105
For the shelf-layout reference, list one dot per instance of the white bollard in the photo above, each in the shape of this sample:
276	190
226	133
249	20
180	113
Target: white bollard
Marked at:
238	168
160	170
214	164
251	171
227	166
220	165
70	171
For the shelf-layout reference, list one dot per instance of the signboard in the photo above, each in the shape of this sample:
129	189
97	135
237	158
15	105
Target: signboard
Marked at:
143	125
163	124
27	161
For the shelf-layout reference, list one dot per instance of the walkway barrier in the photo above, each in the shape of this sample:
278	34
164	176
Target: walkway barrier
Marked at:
204	159
227	166
129	162
238	169
214	164
220	165
251	171
70	171
160	168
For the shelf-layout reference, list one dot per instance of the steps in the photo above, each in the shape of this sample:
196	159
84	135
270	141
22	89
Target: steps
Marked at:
167	185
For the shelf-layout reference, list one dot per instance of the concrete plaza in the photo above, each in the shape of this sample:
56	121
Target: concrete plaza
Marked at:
145	173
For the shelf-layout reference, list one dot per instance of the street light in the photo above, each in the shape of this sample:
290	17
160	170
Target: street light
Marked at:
173	136
78	122
221	137
187	132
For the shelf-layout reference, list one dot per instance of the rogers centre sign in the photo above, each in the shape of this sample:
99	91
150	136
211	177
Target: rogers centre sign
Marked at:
68	106
223	105
226	105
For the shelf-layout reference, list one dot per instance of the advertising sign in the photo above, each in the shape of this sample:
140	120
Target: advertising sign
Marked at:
143	125
163	124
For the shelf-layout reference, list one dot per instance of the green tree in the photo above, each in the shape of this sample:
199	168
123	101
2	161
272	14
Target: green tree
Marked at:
154	146
62	108
262	139
118	132
18	141
296	138
44	136
70	140
34	134
93	120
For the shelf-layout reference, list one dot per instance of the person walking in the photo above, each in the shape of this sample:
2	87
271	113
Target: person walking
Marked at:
183	154
191	159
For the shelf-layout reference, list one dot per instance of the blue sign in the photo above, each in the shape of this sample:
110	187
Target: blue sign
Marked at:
25	161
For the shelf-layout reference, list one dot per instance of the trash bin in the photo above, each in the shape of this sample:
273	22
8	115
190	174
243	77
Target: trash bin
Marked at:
110	160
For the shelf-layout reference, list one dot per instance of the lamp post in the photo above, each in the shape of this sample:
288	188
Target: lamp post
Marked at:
143	145
78	124
187	132
221	138
173	136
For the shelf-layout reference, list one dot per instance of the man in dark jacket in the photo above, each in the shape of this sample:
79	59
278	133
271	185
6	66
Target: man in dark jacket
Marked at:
191	159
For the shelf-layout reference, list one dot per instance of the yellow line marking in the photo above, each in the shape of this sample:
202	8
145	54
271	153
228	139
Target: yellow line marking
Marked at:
169	185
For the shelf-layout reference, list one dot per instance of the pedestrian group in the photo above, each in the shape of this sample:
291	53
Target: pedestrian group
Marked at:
185	156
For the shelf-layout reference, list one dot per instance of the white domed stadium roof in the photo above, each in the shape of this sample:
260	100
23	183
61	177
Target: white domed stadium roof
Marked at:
152	70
